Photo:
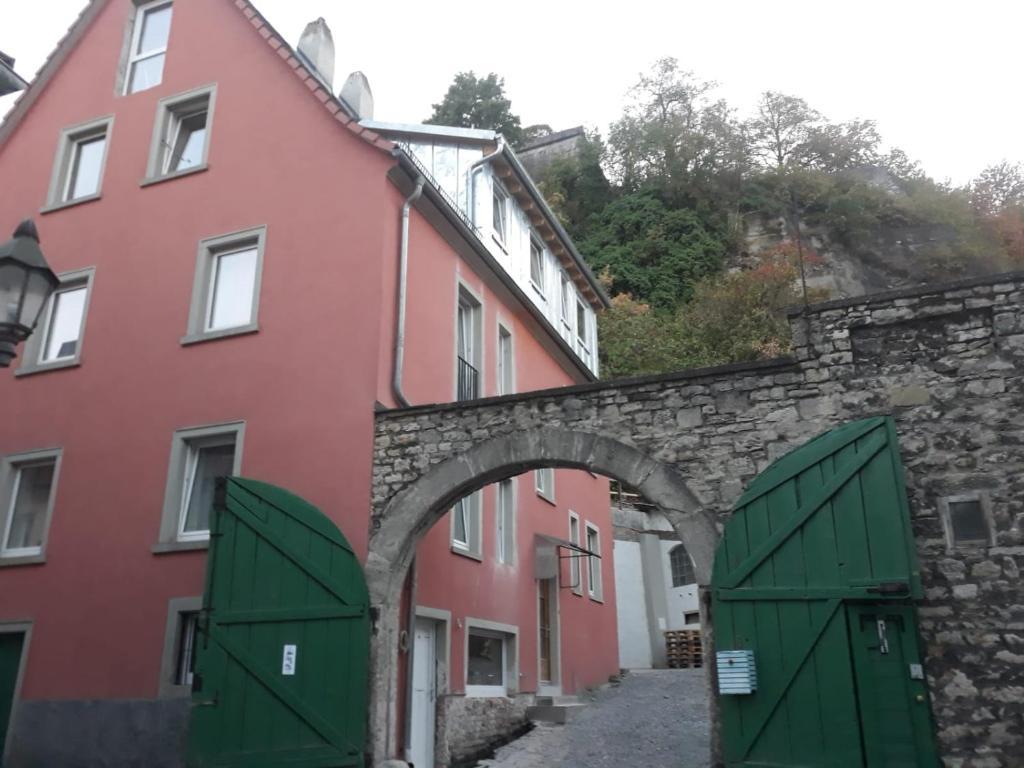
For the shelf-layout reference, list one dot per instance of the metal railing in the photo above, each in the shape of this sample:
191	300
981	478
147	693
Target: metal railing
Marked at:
469	381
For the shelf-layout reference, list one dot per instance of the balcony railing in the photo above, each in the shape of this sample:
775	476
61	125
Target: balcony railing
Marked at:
469	381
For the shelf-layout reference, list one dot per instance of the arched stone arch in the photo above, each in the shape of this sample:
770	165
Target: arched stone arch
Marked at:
411	513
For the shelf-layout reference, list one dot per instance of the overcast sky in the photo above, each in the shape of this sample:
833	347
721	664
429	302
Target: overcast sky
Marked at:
939	77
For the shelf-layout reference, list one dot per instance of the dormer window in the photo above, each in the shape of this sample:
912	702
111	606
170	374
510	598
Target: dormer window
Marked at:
537	265
567	302
500	214
150	32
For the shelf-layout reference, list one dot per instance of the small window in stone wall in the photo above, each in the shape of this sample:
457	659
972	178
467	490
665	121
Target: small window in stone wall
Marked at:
967	520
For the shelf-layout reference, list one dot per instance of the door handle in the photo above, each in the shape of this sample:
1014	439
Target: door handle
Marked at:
919	698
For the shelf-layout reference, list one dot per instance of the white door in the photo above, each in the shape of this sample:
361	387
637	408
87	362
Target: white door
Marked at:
424	695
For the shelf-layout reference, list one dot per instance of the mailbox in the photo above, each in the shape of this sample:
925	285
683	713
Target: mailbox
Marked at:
736	672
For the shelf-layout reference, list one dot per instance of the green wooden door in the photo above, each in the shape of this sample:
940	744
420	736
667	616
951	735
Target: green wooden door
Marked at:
283	652
892	703
10	662
824	528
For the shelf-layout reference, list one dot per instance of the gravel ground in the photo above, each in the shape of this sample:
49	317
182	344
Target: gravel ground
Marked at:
654	719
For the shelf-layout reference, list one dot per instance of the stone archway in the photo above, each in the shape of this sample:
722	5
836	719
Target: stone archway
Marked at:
411	513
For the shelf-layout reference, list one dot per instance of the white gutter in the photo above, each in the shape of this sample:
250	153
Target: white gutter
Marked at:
471	174
403	279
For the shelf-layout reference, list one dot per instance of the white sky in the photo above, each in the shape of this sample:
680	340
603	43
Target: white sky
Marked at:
939	77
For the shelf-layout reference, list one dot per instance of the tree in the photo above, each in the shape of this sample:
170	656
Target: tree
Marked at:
781	129
636	340
997	187
652	252
534	132
575	186
834	147
673	137
478	102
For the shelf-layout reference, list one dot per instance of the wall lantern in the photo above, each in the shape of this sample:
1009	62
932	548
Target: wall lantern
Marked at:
26	282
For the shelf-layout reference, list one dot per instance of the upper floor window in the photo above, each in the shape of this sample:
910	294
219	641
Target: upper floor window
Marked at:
499	214
148	47
581	326
567	301
681	566
28	488
537	265
225	294
506	366
57	342
594	585
544	483
467	329
78	167
466	518
181	133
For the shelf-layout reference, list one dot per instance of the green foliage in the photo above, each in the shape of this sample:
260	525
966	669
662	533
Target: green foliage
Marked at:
575	186
651	251
478	102
636	340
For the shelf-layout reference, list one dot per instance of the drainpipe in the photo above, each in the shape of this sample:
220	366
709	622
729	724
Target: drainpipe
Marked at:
476	166
403	279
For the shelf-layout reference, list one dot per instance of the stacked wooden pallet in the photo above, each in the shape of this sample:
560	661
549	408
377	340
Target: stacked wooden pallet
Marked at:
683	648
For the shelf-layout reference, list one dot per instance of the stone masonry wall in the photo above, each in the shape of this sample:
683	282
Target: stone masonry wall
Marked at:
947	362
468	726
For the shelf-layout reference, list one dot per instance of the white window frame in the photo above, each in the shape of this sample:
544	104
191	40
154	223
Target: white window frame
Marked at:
10	478
35	345
500	201
595	587
170	111
467	300
545	487
505	521
509	635
685	571
568	294
210	249
132	56
472	507
946	514
506	369
64	161
172	538
193	447
582	333
575	571
536	244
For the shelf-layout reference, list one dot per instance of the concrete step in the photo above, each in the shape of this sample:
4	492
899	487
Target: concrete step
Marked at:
556	700
559	714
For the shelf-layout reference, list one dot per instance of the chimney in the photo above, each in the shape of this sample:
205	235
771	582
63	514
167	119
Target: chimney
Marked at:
357	94
317	47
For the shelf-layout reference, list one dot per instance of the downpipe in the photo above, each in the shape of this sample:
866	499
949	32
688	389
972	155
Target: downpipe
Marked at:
403	284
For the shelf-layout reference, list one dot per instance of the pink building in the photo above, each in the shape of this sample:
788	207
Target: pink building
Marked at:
230	237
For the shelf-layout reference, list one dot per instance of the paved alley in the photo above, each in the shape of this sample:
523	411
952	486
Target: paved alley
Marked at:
654	719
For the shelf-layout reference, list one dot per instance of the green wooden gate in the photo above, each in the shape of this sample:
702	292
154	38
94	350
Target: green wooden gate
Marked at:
283	651
816	574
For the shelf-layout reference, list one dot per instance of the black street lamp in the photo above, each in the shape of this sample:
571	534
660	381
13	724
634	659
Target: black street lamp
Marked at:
26	282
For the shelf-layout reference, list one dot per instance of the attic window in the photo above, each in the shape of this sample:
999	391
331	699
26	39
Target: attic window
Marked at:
148	49
181	133
500	214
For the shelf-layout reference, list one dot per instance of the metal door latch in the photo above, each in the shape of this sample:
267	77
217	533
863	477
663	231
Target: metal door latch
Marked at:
883	639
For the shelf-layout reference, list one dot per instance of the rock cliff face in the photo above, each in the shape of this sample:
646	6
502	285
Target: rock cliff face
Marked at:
892	259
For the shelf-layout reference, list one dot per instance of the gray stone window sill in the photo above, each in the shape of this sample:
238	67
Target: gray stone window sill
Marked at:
197	338
13	560
69	203
148	182
597	599
548	498
166	547
56	365
467	554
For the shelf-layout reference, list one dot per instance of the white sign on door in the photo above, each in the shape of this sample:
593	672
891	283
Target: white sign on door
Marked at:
288	660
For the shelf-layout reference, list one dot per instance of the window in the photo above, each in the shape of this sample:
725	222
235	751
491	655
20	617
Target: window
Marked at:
466	525
681	566
181	134
506	516
537	265
574	563
594	586
79	163
57	341
490	659
967	520
567	301
544	481
181	636
29	482
225	294
467	341
148	46
506	369
198	457
581	325
499	214
691	617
